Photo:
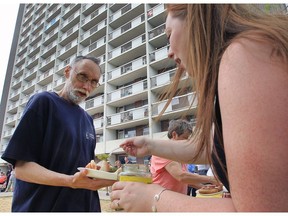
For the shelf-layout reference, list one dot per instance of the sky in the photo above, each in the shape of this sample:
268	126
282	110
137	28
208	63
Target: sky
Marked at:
8	16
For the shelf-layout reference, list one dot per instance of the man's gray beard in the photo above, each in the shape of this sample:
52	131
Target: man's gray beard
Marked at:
74	98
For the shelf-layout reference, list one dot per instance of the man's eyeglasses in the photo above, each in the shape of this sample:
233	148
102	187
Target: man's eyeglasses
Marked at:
84	79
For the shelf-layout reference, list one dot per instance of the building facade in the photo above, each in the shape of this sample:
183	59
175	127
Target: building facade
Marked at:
131	43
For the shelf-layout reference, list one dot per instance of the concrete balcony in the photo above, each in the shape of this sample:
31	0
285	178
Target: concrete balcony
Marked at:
178	105
71	21
69	35
12	107
127	31
8	133
97	47
11	120
49	49
95	16
128	94
127	51
95	105
59	83
68	50
46	77
137	116
94	33
98	123
128	72
29	87
48	63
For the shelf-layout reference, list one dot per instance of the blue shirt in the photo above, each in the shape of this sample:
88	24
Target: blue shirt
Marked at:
59	136
191	168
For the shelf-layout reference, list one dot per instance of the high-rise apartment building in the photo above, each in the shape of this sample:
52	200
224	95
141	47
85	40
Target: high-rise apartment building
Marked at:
131	43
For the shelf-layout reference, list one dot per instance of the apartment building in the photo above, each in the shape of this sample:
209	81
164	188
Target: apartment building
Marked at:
131	43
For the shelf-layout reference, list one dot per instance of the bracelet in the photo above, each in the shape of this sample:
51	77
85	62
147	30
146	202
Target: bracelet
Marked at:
156	198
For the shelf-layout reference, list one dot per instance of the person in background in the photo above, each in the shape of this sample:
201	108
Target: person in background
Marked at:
200	169
118	165
54	137
127	161
174	175
11	182
192	169
3	181
236	56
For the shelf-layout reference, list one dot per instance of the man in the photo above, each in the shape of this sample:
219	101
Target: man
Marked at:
53	138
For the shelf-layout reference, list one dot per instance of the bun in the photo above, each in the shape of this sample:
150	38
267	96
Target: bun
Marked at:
210	189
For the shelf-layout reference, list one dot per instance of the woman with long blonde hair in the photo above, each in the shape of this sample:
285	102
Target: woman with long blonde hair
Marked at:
237	59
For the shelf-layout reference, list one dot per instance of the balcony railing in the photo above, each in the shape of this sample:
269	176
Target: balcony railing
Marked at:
11	119
127	90
98	123
126	116
122	11
94	46
130	25
156	31
94	14
94	29
130	66
178	103
159	54
94	102
45	75
67	47
155	10
13	105
164	78
136	42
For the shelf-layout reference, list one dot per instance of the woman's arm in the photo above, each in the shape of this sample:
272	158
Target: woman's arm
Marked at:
34	173
253	95
176	150
175	170
139	197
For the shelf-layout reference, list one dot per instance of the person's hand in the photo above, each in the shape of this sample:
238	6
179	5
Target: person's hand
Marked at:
137	146
80	180
133	196
214	181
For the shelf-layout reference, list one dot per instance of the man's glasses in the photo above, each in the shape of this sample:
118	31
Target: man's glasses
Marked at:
84	79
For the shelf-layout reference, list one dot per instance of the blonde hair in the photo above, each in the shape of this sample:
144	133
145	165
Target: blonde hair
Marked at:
210	28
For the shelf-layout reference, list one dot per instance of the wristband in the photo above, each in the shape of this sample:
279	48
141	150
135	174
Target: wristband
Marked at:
156	198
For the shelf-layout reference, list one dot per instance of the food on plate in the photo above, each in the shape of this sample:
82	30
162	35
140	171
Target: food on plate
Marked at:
103	165
210	189
102	156
92	165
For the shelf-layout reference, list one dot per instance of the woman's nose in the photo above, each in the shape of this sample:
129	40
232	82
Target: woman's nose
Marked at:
170	53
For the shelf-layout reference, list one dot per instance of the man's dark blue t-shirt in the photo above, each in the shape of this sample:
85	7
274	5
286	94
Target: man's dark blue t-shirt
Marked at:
60	137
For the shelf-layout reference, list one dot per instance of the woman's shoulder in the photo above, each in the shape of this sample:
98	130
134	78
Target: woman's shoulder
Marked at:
246	54
252	48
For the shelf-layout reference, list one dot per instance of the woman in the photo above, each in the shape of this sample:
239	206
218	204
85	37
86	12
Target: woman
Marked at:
172	174
238	59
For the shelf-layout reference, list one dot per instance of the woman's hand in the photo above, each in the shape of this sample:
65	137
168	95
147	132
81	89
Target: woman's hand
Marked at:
133	196
137	146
